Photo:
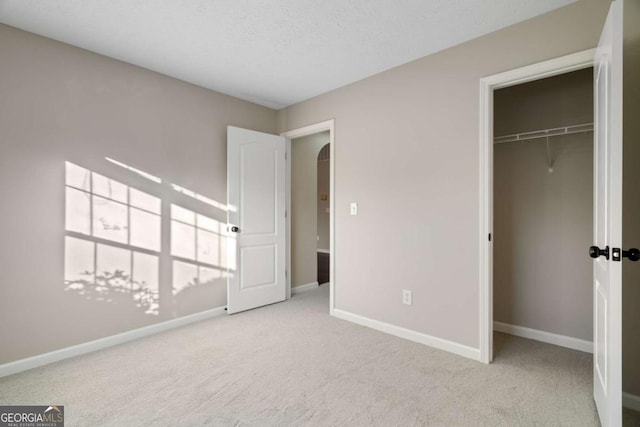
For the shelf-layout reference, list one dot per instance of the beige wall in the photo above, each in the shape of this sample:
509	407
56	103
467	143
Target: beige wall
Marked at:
304	207
60	104
543	222
406	149
558	101
324	183
631	200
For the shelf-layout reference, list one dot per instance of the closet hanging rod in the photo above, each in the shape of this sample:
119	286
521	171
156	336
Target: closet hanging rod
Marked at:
587	127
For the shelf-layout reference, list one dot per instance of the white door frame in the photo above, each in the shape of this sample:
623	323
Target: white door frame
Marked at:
553	67
298	133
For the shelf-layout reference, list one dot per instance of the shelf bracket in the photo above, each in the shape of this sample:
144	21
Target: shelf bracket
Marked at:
549	161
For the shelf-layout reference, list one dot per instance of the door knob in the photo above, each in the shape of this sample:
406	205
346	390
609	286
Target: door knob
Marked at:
595	252
235	229
633	254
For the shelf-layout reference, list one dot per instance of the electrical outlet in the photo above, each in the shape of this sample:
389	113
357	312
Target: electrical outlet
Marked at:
354	208
407	297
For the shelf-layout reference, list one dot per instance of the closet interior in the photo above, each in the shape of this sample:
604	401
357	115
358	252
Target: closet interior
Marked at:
543	208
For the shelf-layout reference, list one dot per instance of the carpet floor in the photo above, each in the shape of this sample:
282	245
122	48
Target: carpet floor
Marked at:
293	364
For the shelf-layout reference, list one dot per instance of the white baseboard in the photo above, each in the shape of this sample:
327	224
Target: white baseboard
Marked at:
99	344
631	401
431	341
548	337
324	251
304	288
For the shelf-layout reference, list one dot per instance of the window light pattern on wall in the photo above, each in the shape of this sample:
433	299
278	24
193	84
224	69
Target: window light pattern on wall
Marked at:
135	170
198	247
112	242
200	197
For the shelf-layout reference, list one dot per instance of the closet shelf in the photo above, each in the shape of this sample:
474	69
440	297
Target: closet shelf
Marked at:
545	133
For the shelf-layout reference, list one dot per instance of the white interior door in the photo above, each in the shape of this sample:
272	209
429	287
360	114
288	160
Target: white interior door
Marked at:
607	283
256	219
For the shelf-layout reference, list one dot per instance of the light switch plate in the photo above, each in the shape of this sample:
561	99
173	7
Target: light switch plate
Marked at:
354	208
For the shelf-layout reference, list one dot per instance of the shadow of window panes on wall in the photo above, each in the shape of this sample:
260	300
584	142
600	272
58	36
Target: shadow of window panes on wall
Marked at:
113	246
199	260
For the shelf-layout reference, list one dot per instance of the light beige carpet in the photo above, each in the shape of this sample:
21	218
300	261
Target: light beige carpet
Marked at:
293	364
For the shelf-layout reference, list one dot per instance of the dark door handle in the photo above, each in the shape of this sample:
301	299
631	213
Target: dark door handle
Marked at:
595	252
235	229
633	254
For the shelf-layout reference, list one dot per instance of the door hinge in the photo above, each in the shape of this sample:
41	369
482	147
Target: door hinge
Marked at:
489	236
285	214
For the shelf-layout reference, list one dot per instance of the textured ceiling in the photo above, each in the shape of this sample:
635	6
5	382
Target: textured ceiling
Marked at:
274	53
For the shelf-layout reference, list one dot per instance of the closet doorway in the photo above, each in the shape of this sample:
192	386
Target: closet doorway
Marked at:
543	210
